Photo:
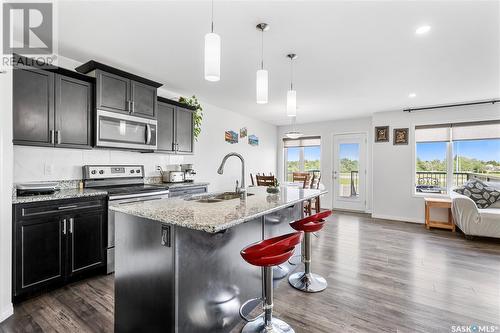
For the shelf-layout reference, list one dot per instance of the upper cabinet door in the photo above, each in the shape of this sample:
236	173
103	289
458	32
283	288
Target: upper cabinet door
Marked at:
143	99
165	133
73	112
33	107
184	130
113	92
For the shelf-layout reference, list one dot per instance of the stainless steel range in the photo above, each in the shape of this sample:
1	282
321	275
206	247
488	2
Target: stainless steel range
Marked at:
124	184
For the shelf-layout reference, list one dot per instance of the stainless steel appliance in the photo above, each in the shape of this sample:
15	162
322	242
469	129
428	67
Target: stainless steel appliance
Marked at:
117	130
175	177
189	172
124	184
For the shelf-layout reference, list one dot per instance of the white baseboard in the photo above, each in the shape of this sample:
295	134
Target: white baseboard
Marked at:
6	312
396	218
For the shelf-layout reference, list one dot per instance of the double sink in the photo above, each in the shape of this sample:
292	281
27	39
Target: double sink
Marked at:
216	197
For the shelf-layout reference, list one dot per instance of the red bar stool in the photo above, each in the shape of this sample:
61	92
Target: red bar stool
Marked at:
307	281
266	254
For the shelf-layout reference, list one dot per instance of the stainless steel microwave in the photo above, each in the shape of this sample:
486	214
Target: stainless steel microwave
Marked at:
117	130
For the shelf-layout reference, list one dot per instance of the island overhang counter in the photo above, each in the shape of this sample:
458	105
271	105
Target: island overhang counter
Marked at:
178	266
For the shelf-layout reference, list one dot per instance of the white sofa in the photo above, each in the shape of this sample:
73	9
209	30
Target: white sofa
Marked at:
474	221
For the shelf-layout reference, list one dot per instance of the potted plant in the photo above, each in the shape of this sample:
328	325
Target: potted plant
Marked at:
198	114
274	188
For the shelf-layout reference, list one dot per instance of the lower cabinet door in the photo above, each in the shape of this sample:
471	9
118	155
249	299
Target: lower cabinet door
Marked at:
40	253
86	242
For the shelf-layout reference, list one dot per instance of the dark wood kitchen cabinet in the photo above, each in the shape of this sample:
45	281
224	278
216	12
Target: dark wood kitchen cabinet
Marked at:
120	91
33	107
56	242
175	127
51	109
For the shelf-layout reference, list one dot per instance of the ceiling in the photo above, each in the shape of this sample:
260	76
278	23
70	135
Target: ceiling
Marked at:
354	57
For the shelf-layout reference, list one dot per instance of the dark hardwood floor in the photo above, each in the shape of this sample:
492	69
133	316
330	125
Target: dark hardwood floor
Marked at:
383	277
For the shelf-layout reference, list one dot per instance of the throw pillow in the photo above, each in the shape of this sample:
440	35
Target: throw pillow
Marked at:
482	194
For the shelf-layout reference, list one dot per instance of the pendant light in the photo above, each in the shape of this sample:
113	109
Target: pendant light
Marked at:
212	53
293	133
291	95
262	82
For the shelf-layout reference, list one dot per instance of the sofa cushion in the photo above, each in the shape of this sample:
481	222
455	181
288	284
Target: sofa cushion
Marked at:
482	194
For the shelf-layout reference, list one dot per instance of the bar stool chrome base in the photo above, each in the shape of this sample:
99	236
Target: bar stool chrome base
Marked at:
311	283
258	326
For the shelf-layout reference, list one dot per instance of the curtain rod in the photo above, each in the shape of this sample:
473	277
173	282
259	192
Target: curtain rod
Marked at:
493	101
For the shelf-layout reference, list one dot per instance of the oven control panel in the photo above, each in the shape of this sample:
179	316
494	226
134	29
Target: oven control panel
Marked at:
112	171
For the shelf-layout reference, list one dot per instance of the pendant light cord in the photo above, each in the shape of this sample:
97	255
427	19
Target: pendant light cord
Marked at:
291	74
212	16
262	51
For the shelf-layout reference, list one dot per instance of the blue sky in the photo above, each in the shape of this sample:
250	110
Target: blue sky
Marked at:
484	150
349	150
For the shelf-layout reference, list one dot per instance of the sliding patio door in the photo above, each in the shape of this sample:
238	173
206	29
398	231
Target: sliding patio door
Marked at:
349	171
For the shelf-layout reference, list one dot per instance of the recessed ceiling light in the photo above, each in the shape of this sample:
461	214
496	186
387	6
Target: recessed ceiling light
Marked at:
423	29
412	95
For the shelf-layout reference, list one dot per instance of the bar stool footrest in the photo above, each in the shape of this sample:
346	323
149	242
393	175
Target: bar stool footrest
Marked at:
244	313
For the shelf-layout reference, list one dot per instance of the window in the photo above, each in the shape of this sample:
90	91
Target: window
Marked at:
301	155
450	154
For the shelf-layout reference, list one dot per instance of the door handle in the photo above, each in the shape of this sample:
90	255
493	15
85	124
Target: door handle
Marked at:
71	221
64	226
165	235
148	134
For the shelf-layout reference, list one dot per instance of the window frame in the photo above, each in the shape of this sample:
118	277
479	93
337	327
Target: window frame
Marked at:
301	158
449	160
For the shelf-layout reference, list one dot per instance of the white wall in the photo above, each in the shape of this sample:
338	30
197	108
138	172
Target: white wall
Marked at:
5	193
393	166
326	130
40	163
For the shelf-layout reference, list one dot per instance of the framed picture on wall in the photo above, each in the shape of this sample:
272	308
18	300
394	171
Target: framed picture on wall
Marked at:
382	134
400	136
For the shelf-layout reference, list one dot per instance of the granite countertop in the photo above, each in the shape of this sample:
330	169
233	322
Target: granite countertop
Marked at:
58	195
218	216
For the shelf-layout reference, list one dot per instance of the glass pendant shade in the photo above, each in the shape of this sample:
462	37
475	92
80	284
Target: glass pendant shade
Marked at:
212	57
262	86
291	103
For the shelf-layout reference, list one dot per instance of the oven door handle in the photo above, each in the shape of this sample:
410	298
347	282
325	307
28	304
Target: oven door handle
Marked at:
141	195
148	134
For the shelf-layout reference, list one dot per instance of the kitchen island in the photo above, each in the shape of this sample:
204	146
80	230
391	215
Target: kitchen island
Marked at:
178	264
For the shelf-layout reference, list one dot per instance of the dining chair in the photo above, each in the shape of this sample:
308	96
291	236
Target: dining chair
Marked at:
303	177
251	178
265	180
314	203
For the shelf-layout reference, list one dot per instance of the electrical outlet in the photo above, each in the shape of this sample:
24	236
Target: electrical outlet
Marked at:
48	169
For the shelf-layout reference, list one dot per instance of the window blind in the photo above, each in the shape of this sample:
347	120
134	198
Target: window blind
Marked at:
458	131
302	142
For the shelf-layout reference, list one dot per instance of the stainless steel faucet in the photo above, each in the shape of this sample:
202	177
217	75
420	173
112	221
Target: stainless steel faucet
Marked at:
242	188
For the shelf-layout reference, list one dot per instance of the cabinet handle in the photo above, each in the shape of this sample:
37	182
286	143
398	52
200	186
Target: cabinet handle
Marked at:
71	221
58	137
129	109
67	207
133	106
52	136
64	227
165	236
